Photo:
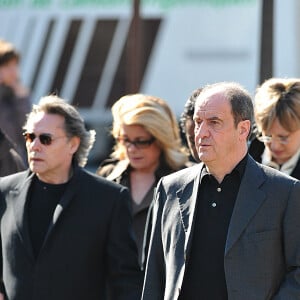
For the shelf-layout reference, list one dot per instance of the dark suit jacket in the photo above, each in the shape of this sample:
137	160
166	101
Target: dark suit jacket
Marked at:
262	252
88	246
118	171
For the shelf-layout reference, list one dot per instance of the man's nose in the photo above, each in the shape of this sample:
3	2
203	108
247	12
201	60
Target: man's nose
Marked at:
201	130
35	144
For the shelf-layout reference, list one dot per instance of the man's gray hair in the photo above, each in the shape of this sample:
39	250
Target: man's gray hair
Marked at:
74	124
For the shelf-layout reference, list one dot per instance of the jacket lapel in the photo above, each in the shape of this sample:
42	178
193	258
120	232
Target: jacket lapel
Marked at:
187	198
249	199
18	197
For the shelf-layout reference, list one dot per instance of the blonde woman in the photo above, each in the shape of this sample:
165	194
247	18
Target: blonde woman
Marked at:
277	115
148	146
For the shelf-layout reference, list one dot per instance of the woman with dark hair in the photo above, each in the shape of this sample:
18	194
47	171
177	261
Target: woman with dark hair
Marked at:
187	124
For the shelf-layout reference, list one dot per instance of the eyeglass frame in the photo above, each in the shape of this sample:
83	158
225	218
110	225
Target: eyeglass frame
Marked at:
283	140
45	139
139	144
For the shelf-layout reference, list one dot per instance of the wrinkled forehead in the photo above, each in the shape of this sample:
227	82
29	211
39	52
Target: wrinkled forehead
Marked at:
212	103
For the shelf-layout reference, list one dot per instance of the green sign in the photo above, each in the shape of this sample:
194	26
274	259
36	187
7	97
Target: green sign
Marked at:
113	3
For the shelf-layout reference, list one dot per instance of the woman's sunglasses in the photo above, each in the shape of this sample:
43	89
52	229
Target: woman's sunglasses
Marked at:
139	144
45	138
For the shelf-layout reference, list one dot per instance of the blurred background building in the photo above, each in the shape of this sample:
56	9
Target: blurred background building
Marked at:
91	52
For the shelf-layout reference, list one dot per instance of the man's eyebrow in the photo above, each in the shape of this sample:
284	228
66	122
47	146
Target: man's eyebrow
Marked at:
213	118
210	118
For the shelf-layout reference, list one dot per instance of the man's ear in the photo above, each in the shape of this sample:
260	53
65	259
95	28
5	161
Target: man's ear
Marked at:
244	128
74	144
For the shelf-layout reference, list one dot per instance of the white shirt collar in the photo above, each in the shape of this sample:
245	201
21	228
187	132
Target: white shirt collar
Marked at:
286	168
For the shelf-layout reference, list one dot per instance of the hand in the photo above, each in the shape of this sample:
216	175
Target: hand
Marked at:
1	296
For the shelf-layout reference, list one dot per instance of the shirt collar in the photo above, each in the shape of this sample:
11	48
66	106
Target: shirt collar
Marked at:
286	168
238	169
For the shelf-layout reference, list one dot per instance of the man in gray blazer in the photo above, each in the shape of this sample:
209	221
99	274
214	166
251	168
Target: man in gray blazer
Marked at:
65	233
227	228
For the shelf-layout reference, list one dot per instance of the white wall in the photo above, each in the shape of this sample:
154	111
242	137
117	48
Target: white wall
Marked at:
287	38
203	44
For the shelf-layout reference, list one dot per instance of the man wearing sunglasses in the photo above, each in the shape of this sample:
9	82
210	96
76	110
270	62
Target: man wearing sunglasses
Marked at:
65	233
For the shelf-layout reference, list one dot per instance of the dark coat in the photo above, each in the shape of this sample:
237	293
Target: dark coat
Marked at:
13	111
118	171
10	161
88	246
262	251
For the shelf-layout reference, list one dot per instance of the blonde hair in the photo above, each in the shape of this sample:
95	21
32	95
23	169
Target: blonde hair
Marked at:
157	118
278	98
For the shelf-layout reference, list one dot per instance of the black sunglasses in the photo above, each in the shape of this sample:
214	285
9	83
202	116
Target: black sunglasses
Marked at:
45	138
139	144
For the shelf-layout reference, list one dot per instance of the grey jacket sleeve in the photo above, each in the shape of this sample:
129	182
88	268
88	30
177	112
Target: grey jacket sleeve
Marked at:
290	286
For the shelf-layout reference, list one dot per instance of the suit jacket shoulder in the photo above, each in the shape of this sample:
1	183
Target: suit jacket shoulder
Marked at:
183	176
271	172
97	187
14	180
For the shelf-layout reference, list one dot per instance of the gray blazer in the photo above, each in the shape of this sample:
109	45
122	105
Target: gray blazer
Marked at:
262	252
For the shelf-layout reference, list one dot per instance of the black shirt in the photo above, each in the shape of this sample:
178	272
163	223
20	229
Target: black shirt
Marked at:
204	277
43	199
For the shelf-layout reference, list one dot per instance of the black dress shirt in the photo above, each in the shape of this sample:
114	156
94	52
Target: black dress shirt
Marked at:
205	278
43	199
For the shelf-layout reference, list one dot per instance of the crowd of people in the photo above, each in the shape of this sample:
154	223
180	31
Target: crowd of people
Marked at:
204	208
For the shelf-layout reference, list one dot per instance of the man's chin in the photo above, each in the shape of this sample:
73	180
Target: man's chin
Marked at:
204	157
34	168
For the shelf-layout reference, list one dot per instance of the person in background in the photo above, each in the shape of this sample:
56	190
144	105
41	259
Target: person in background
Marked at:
10	161
227	227
148	146
277	116
65	233
187	124
15	101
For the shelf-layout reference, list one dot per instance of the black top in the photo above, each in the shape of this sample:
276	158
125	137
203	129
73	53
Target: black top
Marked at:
42	202
205	275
